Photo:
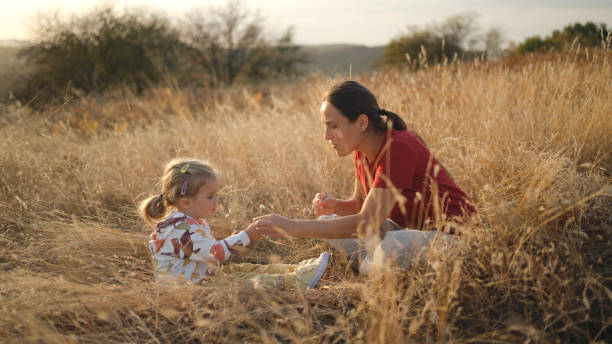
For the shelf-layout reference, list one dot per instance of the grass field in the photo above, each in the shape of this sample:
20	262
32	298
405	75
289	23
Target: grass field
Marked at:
529	141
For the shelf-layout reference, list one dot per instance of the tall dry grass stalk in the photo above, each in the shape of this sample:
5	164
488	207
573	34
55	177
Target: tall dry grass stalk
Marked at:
530	143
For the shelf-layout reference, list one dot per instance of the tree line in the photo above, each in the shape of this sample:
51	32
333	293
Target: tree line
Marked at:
105	50
458	38
587	35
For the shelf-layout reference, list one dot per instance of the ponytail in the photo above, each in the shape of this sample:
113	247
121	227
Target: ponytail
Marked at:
398	122
153	208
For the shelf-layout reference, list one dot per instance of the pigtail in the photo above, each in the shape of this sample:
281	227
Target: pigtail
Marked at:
153	208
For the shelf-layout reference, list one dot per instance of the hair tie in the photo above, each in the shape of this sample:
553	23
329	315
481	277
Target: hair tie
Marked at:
383	112
161	195
185	168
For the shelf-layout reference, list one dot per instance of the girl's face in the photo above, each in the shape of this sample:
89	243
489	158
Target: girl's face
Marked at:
204	203
343	135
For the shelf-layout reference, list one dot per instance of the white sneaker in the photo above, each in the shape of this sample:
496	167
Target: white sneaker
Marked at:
309	272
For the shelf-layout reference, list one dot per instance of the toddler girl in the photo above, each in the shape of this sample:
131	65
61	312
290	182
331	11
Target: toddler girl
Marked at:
183	243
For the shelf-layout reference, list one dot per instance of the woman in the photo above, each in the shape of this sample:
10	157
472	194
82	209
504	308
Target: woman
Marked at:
396	177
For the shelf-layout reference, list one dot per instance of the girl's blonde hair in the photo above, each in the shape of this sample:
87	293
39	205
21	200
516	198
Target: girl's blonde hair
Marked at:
182	178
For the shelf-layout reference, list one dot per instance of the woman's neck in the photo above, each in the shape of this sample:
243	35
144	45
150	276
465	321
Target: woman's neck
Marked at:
371	145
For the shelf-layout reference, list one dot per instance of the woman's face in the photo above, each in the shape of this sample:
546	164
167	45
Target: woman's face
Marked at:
343	135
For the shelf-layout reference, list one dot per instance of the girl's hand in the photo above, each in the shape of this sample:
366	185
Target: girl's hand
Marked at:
252	232
273	226
323	204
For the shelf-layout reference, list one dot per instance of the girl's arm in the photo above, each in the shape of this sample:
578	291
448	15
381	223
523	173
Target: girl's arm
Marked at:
190	241
203	248
376	207
235	242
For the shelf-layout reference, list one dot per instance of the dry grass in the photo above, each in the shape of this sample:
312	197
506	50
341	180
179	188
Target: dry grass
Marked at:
530	143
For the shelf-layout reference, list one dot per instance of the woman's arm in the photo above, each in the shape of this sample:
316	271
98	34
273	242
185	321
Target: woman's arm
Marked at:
354	204
323	204
376	207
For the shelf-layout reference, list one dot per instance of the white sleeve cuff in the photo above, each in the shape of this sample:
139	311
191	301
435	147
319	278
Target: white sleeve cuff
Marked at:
241	239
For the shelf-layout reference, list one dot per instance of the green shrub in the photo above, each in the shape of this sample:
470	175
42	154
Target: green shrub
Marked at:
434	44
586	35
100	51
228	45
419	49
104	50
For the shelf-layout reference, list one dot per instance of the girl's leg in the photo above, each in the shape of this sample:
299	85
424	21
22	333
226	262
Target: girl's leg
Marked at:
268	276
259	268
258	280
304	274
309	272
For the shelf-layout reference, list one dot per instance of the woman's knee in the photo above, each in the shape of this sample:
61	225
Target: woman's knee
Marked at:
406	247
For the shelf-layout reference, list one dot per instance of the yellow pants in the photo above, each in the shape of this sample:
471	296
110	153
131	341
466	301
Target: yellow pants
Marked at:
275	276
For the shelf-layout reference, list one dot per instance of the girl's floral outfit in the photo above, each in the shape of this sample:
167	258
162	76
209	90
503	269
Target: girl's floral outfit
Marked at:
185	248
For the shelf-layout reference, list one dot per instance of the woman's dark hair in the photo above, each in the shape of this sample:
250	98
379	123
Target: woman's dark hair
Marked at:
353	99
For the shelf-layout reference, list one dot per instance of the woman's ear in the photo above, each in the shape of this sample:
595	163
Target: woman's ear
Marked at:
363	122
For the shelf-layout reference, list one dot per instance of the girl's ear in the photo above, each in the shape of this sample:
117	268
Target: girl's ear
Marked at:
363	122
184	202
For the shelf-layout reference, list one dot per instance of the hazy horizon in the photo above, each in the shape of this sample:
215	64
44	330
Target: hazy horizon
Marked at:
360	22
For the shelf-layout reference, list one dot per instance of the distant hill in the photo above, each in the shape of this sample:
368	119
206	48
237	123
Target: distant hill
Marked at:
11	43
332	59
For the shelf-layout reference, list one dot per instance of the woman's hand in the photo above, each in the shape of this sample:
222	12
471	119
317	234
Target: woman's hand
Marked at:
273	226
323	204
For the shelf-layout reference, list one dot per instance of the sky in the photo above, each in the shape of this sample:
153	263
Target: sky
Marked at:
366	22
